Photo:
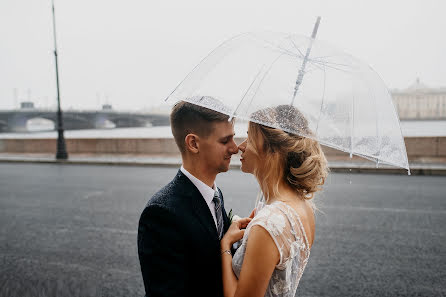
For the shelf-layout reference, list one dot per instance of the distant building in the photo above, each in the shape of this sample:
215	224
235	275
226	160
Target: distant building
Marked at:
419	102
26	105
107	107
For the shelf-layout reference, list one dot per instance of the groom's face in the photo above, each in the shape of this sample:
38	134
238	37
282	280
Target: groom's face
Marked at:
216	149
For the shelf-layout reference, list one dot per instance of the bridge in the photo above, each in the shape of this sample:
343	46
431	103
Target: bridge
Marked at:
16	120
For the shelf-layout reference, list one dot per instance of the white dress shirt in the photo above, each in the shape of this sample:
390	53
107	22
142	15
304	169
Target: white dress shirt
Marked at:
206	191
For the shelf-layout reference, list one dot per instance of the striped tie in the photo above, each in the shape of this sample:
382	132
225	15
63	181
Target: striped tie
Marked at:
218	214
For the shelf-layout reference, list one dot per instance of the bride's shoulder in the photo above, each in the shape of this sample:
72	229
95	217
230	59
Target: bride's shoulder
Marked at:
276	207
279	211
267	210
271	217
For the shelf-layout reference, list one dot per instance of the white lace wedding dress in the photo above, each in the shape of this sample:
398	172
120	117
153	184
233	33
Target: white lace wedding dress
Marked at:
285	227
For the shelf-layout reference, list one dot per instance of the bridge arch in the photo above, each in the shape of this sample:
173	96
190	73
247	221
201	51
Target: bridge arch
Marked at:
124	121
102	122
20	120
36	124
4	126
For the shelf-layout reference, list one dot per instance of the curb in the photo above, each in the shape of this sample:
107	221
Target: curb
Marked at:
341	167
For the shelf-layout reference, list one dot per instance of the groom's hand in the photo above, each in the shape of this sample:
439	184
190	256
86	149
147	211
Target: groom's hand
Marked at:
234	233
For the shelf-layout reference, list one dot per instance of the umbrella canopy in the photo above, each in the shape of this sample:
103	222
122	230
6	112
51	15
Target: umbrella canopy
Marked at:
346	103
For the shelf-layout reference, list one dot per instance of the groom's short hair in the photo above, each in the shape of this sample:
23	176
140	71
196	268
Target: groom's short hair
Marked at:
187	118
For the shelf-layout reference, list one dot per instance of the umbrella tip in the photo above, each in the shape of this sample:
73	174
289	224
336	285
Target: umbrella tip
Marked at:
316	26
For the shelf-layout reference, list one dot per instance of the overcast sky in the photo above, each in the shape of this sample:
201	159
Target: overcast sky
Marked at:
134	53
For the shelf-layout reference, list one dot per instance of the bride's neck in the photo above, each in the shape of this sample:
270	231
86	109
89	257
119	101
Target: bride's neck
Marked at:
284	193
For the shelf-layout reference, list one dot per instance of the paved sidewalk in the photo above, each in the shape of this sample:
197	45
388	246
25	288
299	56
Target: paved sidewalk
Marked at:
419	167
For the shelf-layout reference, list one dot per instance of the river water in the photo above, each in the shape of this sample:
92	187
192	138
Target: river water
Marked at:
409	129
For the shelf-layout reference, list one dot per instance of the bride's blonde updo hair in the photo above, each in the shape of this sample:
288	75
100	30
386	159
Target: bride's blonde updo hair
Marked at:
295	159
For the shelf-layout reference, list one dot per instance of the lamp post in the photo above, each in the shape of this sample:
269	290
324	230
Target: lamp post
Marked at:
61	153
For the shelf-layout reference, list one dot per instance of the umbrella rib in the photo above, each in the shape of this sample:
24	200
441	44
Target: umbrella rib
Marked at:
376	159
315	65
288	52
322	57
352	122
204	59
266	73
377	130
401	134
295	46
246	92
322	105
284	50
327	62
376	124
326	65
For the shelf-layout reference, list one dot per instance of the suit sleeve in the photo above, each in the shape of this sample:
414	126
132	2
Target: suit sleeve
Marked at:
161	251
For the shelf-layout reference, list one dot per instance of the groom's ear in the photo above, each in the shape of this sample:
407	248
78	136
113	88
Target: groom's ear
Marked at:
191	141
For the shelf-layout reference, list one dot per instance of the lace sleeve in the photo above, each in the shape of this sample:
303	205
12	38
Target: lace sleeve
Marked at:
284	227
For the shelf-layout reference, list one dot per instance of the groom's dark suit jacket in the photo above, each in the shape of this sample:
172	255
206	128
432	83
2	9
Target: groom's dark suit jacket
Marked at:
178	246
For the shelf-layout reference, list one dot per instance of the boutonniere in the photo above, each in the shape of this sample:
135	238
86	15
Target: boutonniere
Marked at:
232	217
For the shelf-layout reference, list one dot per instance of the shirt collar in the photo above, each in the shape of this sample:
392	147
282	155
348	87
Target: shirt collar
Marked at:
206	191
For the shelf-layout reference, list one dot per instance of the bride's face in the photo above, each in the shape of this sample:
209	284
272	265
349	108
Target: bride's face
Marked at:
248	158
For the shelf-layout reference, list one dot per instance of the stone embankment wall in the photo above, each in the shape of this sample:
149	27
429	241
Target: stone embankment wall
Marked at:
417	147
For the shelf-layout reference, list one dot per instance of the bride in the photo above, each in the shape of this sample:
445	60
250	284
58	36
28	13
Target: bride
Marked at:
276	243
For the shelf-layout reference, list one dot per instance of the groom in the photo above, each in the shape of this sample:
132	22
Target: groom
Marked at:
181	226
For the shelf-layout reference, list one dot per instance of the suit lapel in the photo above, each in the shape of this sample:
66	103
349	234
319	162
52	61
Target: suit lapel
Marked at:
199	205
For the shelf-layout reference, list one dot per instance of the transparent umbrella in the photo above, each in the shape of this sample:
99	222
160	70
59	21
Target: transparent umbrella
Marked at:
347	105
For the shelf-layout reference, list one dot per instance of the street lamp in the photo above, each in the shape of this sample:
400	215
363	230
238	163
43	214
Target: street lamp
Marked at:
61	150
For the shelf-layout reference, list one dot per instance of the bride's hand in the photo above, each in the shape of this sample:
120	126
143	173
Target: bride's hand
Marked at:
234	233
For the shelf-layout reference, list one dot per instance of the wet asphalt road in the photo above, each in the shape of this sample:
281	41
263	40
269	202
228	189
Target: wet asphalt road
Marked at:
70	230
